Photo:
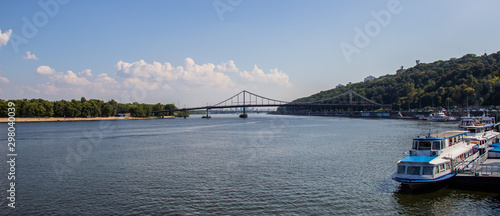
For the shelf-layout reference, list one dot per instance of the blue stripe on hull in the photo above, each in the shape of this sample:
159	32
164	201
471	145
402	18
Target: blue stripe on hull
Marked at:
417	181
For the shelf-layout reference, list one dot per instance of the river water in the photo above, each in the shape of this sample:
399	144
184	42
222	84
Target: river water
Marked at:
287	165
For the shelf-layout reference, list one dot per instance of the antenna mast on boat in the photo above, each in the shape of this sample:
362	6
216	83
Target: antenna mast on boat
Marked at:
468	114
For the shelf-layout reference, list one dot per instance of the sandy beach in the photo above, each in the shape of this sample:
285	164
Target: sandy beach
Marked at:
62	119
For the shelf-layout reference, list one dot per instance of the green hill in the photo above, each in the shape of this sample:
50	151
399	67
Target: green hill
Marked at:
436	84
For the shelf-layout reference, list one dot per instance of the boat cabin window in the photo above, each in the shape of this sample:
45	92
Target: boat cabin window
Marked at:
436	145
422	145
413	170
401	169
427	170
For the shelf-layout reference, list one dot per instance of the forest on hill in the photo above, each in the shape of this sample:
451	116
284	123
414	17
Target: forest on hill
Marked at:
80	108
440	84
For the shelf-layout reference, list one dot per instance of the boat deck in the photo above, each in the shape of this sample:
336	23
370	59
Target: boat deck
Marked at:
447	134
490	167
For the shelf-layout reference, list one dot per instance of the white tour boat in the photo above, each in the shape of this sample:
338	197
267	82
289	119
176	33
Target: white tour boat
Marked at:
432	159
437	117
480	130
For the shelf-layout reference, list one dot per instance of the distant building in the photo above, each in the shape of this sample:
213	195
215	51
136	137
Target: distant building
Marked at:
369	78
401	70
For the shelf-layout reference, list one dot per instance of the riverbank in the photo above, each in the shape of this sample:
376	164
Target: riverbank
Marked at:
62	119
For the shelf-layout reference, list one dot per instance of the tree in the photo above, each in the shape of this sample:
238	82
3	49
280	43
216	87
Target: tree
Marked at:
158	107
60	108
136	110
107	110
3	108
439	83
114	106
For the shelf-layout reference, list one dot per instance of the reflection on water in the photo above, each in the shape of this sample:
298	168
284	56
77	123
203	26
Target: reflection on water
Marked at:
287	165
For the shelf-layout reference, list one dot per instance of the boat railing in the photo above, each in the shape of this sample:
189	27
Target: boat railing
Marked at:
488	169
470	164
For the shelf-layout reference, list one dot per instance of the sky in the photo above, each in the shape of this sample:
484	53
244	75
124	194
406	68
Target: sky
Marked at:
199	52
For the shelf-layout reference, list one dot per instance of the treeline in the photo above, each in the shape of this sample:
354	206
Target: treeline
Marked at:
441	84
81	108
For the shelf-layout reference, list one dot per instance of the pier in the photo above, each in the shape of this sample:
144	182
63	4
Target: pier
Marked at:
484	174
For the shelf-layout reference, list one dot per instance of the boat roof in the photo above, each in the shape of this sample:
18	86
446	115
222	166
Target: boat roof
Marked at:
442	135
496	149
495	144
423	159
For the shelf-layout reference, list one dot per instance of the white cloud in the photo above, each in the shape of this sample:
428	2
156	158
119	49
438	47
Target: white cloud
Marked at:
273	77
68	78
45	70
155	75
85	73
49	89
205	75
29	55
4	37
155	82
4	80
141	69
227	67
104	78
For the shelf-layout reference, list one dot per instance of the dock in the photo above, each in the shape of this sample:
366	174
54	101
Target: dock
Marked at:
484	177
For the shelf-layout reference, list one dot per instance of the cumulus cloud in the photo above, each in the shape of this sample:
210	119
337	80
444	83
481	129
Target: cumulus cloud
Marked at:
69	77
141	69
85	73
153	81
45	70
71	84
104	78
29	56
155	75
226	67
4	37
258	75
49	89
4	80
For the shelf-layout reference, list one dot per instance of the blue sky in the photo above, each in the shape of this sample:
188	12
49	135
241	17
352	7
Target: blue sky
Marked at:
198	52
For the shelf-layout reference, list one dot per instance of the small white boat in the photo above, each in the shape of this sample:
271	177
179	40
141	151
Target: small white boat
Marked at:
437	117
432	159
480	131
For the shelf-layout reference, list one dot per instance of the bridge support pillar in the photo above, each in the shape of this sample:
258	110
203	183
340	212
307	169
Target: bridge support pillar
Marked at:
207	116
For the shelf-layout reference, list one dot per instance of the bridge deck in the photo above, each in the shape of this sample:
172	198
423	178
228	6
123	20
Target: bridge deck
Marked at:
248	99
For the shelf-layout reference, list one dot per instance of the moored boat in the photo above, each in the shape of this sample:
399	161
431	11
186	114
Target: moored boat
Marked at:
437	117
432	159
480	130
